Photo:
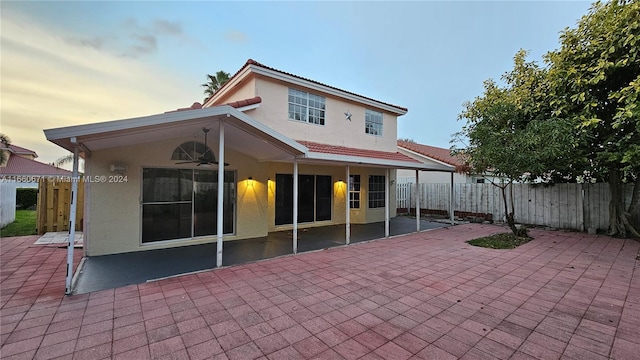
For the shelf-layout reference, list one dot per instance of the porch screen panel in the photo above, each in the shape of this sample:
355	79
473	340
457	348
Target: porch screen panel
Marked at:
306	186
314	198
324	187
181	203
284	199
167	202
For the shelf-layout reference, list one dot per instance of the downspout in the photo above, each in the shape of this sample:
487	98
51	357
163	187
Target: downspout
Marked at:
72	216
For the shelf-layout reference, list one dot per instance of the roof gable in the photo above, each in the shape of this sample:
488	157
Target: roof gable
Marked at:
254	67
433	152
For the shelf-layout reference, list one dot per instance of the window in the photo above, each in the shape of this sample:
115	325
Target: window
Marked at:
354	191
373	122
376	191
181	203
306	107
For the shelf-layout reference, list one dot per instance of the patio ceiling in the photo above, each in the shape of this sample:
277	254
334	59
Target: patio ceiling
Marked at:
242	133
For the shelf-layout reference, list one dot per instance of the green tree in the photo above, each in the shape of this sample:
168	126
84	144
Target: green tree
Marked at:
215	82
510	133
5	142
594	81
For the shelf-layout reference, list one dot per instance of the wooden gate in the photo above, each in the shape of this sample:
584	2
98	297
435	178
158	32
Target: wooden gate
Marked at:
54	198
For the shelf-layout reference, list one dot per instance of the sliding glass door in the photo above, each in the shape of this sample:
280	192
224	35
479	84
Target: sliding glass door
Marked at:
182	203
314	198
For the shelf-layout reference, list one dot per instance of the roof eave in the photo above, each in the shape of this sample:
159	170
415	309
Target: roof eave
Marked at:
361	160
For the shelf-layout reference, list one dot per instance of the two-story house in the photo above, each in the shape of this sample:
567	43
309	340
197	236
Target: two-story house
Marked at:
294	153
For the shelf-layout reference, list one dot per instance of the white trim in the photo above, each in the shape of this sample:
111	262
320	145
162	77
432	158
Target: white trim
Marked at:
366	161
60	136
410	152
248	107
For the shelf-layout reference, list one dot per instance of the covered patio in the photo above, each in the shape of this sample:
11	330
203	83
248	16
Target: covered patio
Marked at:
113	271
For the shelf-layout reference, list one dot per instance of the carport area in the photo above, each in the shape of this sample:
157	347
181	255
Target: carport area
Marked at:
113	271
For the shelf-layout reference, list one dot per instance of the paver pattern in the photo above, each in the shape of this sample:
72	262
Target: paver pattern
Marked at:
427	295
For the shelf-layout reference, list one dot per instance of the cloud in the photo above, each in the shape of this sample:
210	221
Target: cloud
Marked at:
236	36
52	78
94	42
165	27
132	39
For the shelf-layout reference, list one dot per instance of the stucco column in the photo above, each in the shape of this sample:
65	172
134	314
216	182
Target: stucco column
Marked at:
295	206
220	215
72	217
417	200
386	203
347	200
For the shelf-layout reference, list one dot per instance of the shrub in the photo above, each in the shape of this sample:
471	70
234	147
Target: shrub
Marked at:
26	198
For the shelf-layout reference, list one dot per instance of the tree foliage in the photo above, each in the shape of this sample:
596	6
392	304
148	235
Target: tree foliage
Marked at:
577	116
595	80
4	142
510	133
215	82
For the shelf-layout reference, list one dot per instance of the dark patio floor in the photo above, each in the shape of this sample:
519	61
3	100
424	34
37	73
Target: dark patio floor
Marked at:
112	271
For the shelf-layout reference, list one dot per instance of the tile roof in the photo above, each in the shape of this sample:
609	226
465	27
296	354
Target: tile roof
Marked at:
235	104
436	153
17	165
20	150
255	63
348	151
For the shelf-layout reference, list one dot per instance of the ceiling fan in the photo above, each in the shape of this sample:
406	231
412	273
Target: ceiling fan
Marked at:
206	158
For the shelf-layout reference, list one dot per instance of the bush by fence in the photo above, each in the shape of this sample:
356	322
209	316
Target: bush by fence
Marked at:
26	198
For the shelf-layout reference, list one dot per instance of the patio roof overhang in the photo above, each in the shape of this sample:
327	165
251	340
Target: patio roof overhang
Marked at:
336	159
243	133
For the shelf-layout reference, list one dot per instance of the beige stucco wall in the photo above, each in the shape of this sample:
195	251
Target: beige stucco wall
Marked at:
273	112
115	208
242	91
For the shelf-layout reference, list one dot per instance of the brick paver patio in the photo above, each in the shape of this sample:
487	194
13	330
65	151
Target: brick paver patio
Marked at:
420	296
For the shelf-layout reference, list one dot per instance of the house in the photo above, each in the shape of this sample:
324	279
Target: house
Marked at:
435	155
20	170
294	152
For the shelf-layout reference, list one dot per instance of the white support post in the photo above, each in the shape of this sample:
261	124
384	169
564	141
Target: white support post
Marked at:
386	204
347	200
220	215
295	206
72	217
417	201
451	201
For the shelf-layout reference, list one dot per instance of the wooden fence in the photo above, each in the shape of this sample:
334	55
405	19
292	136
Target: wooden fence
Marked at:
53	206
566	206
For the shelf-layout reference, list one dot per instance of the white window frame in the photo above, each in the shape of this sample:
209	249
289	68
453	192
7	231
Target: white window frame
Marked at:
373	122
311	108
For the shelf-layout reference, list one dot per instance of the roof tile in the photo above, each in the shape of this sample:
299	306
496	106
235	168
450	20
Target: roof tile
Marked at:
343	150
17	165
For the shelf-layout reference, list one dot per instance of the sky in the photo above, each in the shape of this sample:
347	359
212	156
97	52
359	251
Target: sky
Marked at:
71	63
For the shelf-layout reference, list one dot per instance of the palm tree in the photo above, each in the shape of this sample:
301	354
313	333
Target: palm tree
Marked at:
215	82
5	142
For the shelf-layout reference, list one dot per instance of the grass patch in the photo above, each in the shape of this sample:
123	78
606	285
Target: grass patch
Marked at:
500	241
25	224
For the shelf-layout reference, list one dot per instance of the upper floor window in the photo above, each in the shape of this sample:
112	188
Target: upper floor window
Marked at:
306	107
373	122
